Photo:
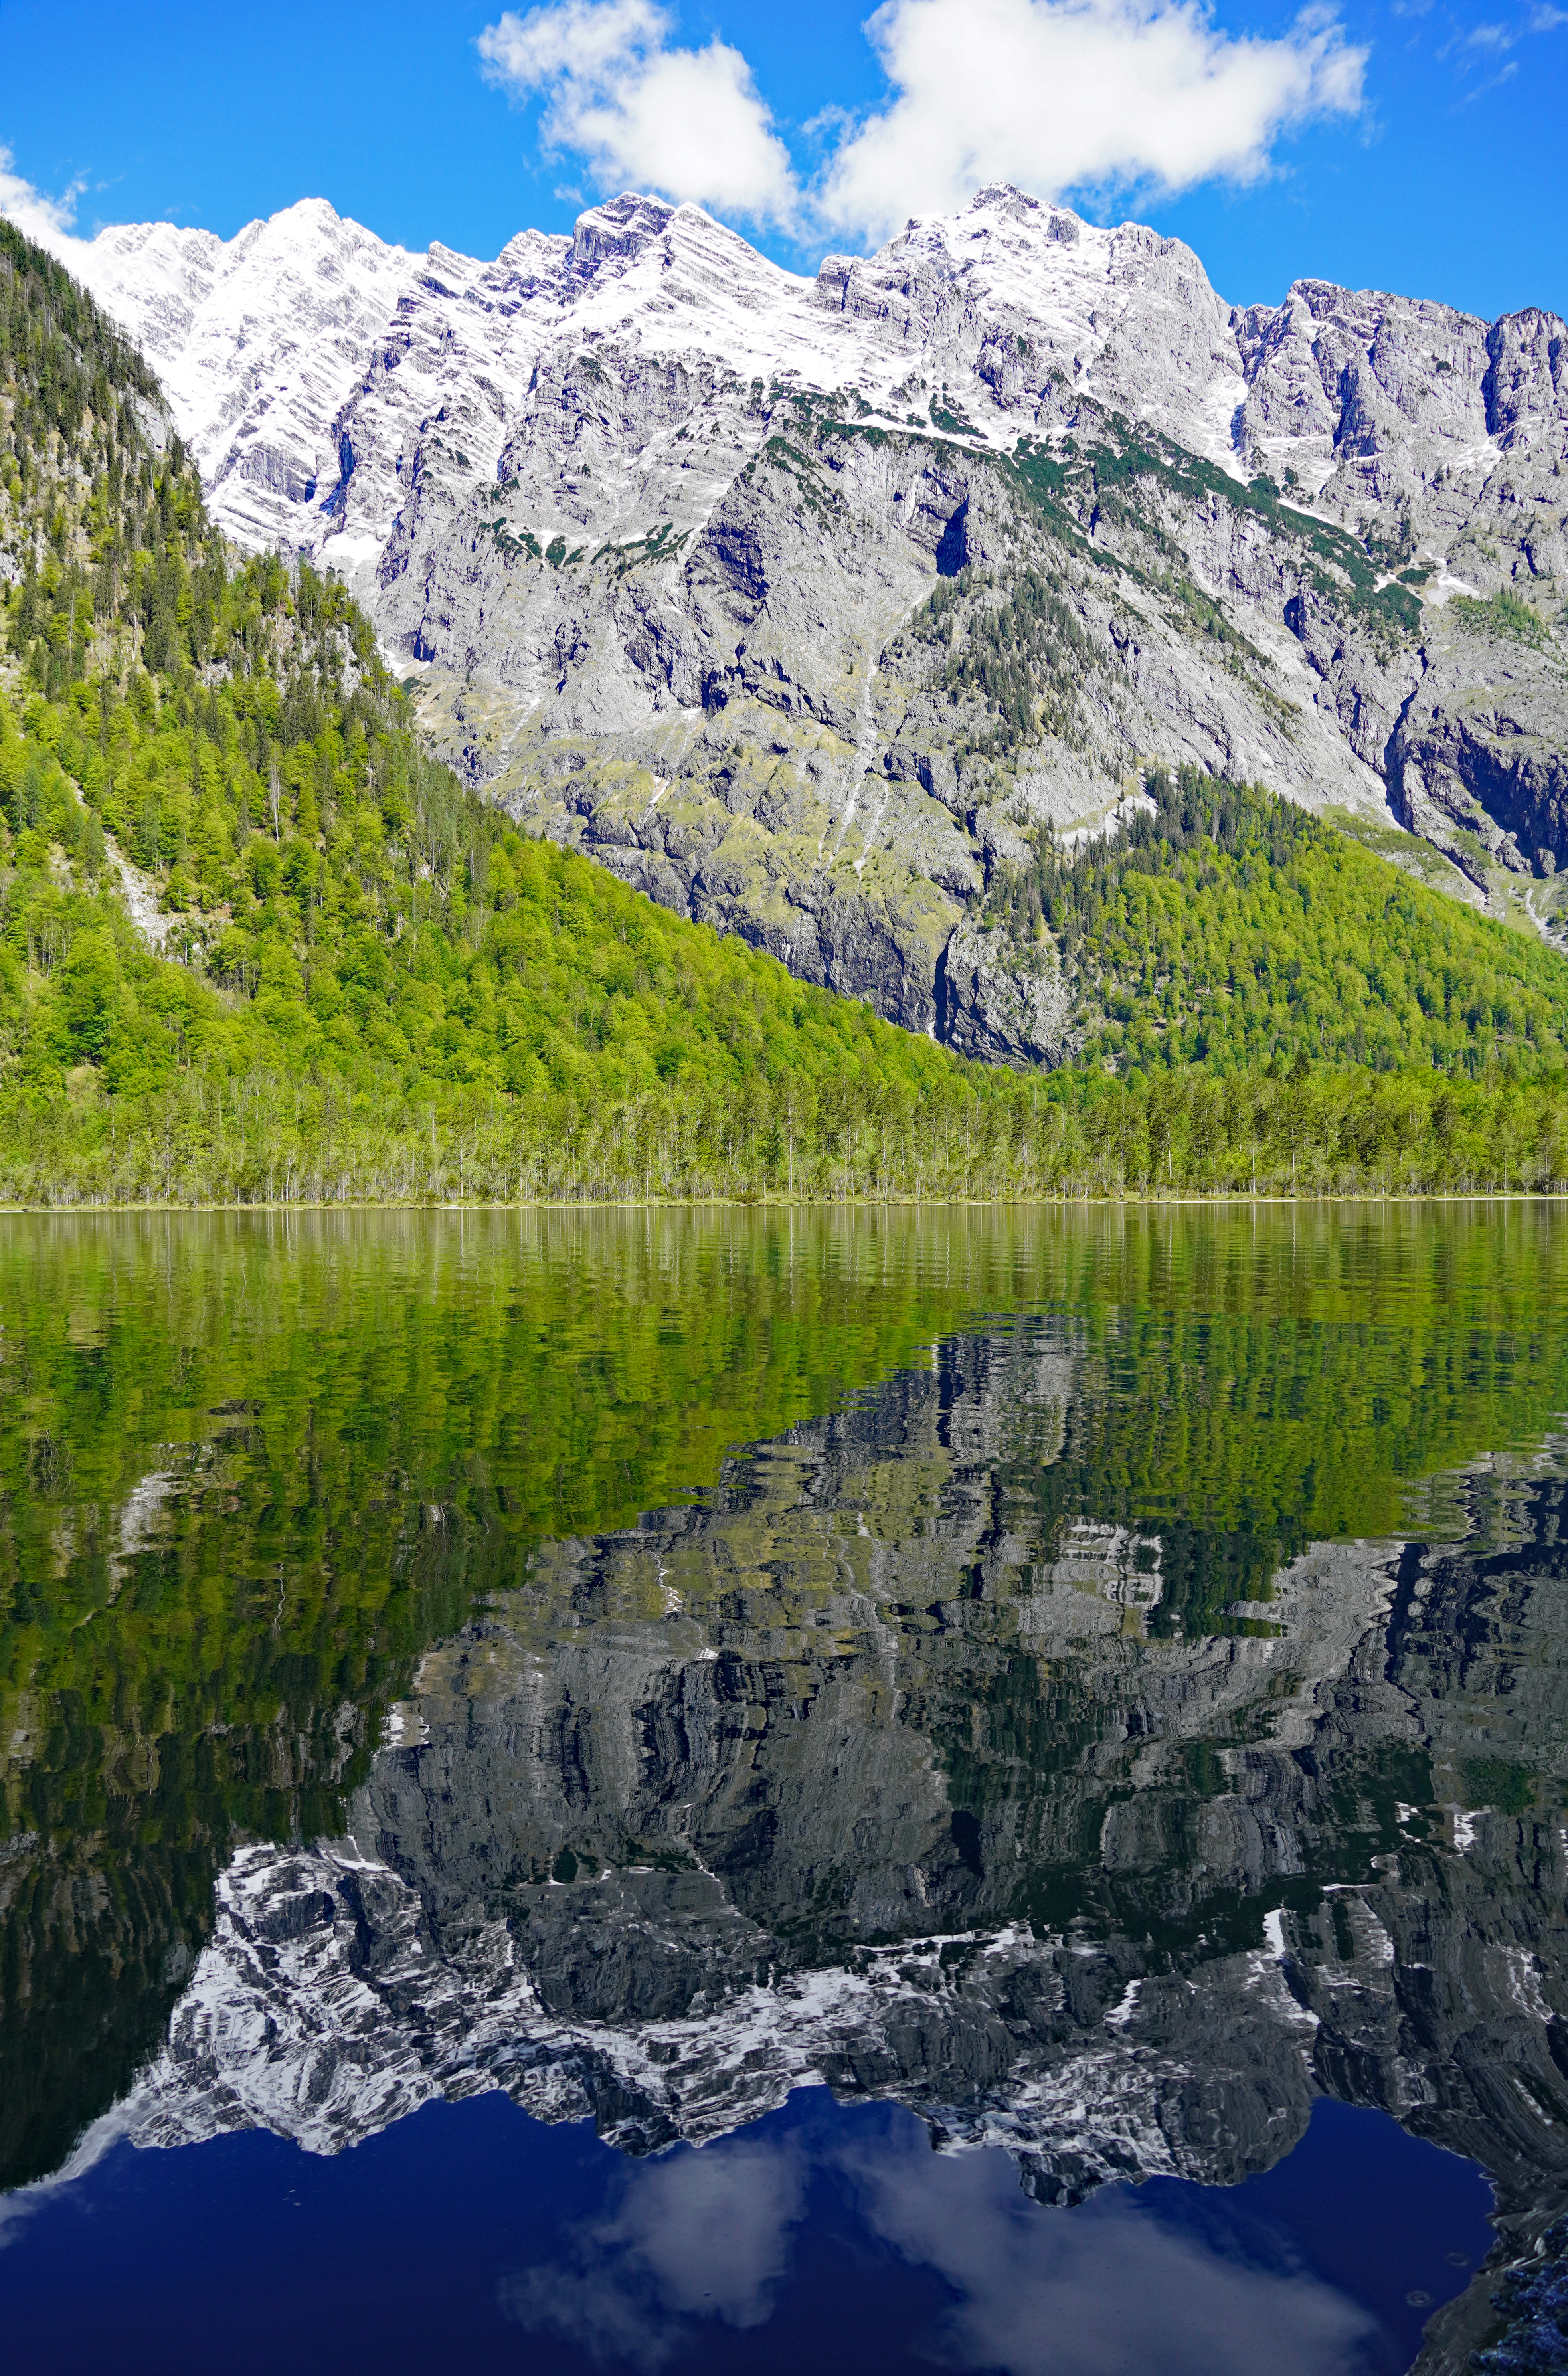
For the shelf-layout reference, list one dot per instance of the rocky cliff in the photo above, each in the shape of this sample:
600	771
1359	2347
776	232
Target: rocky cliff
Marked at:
716	570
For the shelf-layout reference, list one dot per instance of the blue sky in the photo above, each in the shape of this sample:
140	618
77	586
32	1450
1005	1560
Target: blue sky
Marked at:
1417	147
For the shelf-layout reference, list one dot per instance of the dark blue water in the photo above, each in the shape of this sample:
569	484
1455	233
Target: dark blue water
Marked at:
472	2236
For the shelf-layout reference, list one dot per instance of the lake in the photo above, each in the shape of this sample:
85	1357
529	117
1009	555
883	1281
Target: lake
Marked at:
936	1787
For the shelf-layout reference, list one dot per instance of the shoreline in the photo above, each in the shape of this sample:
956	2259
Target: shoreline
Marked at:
1154	1200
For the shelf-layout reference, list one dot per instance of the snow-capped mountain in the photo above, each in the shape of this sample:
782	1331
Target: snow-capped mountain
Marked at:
313	369
655	521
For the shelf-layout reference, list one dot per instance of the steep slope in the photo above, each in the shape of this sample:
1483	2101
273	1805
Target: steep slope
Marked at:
213	762
1226	927
255	944
651	519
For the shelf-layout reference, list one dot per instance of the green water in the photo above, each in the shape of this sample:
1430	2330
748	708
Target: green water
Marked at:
258	1476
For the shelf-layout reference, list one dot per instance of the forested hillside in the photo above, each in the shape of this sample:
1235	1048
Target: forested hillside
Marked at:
255	944
348	923
1227	926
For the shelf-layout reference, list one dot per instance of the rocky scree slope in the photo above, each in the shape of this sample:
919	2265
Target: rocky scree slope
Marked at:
658	527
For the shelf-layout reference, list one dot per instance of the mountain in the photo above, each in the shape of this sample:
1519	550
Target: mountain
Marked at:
249	930
712	570
255	943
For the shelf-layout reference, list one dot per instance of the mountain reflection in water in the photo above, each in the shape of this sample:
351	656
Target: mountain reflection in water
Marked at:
1106	1727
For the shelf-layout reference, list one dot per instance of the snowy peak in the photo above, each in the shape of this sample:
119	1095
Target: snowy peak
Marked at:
278	346
617	233
258	340
1015	294
532	256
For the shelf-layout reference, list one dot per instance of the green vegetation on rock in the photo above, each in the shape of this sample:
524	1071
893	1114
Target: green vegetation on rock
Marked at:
1343	571
1025	656
1503	613
1232	928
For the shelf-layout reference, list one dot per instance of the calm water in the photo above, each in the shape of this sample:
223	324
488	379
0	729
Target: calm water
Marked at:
666	1793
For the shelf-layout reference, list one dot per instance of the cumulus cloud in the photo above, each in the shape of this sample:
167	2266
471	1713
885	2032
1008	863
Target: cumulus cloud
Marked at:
1053	2293
707	2238
1056	95
643	114
50	221
1059	95
704	2235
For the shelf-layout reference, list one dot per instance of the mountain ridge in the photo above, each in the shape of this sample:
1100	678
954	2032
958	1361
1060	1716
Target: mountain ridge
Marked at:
636	505
892	676
167	284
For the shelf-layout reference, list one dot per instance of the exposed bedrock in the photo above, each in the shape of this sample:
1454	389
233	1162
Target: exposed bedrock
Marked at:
657	525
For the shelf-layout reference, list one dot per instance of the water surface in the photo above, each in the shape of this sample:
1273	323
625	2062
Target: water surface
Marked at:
550	1760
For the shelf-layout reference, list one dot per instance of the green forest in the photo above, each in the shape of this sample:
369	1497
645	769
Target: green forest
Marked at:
1229	925
257	945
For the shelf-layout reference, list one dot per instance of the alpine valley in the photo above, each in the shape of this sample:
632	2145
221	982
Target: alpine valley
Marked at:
975	748
814	606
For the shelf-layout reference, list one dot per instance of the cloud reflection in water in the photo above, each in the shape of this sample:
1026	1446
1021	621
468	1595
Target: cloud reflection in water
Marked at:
698	2234
709	2235
1081	2292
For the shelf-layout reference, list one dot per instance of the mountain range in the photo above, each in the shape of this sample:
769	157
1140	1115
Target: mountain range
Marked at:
815	606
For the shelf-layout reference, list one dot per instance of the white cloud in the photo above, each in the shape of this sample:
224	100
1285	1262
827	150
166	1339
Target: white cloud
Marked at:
102	2136
1055	95
685	124
709	2237
50	222
1063	94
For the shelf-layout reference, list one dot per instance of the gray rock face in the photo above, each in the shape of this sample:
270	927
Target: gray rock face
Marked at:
658	527
989	1007
879	1767
1479	758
